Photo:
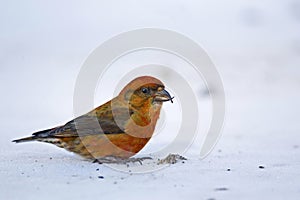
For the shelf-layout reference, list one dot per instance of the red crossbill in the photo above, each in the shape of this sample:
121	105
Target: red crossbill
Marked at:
119	128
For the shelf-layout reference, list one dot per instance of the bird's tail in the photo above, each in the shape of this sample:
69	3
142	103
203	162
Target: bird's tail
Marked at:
35	136
26	139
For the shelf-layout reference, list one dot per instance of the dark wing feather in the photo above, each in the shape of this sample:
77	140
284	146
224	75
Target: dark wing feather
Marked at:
90	124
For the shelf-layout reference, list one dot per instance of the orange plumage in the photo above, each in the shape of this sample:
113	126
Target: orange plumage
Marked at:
119	128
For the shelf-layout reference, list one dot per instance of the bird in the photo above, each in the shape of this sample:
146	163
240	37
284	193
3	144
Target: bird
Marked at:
116	130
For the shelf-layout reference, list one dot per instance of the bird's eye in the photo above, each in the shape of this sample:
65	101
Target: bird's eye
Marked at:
145	90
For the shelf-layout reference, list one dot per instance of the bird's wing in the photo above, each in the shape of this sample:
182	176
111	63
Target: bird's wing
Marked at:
95	122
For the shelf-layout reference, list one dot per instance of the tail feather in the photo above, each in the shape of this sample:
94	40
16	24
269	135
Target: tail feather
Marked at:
27	139
35	136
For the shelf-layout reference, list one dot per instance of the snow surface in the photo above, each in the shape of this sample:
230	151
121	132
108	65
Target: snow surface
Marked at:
256	48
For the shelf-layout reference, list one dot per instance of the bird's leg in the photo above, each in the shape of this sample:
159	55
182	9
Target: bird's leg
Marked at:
106	160
119	160
140	160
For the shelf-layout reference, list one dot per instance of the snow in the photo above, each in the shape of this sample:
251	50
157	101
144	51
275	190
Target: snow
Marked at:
255	46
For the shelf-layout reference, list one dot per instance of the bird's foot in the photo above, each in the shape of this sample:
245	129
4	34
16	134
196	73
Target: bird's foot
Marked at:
140	160
119	160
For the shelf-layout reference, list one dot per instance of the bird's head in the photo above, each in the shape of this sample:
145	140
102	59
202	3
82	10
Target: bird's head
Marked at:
145	90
